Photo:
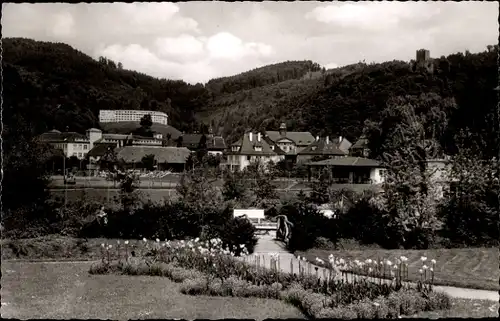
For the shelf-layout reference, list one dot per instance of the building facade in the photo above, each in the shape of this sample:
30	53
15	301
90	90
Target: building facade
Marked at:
71	143
112	116
252	148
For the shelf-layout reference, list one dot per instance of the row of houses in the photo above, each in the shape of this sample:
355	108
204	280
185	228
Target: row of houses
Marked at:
346	163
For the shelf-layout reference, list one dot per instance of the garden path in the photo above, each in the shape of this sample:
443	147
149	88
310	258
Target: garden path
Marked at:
287	261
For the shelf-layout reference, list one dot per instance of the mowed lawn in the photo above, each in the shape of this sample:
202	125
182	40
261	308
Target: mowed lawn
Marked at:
475	268
463	308
66	290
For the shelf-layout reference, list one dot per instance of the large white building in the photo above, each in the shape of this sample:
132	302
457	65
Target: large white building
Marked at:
111	116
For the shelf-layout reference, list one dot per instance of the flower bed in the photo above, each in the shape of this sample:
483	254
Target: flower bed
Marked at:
205	268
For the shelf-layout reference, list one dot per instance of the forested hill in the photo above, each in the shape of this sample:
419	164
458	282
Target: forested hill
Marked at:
337	102
263	76
40	76
52	85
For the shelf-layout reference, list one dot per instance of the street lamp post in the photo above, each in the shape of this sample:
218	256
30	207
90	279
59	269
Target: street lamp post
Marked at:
64	177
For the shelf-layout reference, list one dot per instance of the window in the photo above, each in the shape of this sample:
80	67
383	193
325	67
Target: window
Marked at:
249	157
85	146
382	173
80	155
74	154
258	148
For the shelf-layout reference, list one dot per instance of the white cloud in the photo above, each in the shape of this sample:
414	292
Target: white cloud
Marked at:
225	45
63	24
331	65
373	15
183	47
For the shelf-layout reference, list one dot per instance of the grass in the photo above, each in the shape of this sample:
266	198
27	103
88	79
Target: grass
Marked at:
463	308
475	268
65	290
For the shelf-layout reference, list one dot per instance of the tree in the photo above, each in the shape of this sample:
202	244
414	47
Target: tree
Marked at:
320	190
109	160
410	200
261	180
196	187
129	193
179	141
471	208
234	187
202	151
146	124
120	65
148	161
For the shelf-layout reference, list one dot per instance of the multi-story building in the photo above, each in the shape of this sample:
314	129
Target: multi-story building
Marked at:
112	116
252	148
71	143
289	142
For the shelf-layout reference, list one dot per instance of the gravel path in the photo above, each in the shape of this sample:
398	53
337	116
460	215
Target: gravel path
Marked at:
268	245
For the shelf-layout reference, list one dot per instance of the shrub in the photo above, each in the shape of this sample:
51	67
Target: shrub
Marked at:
337	313
438	301
309	224
366	223
323	243
237	232
195	286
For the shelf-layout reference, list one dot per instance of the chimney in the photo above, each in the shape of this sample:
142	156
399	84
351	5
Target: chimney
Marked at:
327	140
282	130
250	136
258	137
317	138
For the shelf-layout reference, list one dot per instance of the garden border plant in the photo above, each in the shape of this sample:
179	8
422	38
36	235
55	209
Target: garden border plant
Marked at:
206	268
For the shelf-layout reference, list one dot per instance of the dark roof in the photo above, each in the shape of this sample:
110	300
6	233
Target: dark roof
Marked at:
115	136
172	155
56	136
126	127
213	142
348	161
100	150
299	138
276	147
322	148
360	143
247	146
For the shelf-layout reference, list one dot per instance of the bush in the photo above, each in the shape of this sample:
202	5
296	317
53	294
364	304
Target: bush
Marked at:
236	232
309	224
231	286
323	243
365	223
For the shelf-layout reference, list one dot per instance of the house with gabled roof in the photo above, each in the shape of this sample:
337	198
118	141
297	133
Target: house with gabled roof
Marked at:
323	148
252	147
349	170
288	141
215	144
360	147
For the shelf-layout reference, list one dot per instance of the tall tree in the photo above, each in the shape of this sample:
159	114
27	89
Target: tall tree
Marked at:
411	136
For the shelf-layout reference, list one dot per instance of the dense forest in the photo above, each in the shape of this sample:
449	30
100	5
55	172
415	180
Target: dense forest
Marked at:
340	101
51	85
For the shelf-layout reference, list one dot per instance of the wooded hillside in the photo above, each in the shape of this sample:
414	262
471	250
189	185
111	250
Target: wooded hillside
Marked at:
49	85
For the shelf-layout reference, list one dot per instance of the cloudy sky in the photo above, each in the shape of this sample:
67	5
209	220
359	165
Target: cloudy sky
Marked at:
197	41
